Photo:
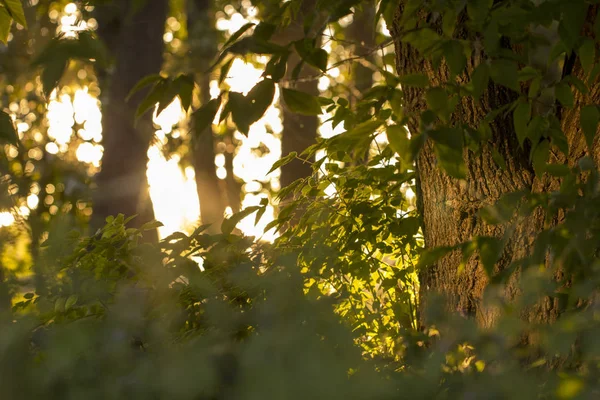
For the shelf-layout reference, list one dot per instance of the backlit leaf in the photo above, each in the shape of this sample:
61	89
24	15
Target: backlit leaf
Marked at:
283	161
7	129
229	224
146	81
185	88
5	24
15	8
204	117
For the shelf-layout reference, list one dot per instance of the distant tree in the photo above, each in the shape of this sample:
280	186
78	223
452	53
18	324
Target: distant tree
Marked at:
203	43
362	33
299	131
135	37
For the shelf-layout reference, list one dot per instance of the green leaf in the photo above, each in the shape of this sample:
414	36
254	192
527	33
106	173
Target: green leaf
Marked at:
505	73
185	88
225	70
455	56
146	81
70	302
539	157
310	54
240	108
537	128
297	70
437	101
491	38
398	139
52	73
587	54
301	103
449	21
450	137
363	130
503	210
204	117
573	17
229	224
59	305
151	225
283	161
479	80
559	139
521	117
169	94
558	170
451	161
277	66
577	83
88	47
156	95
589	123
264	30
261	97
260	214
387	9
5	24
433	255
490	249
15	8
527	73
246	110
396	101
448	148
425	40
414	80
7	129
478	10
498	159
236	35
564	94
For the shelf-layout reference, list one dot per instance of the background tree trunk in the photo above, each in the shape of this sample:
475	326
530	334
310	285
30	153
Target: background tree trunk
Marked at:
361	33
449	206
122	186
233	185
299	131
203	45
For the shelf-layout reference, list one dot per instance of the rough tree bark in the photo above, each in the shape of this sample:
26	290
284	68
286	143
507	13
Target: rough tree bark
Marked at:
449	206
203	46
122	186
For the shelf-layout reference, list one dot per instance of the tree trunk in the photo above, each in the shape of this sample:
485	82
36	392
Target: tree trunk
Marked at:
233	186
362	34
299	131
449	207
203	46
122	186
